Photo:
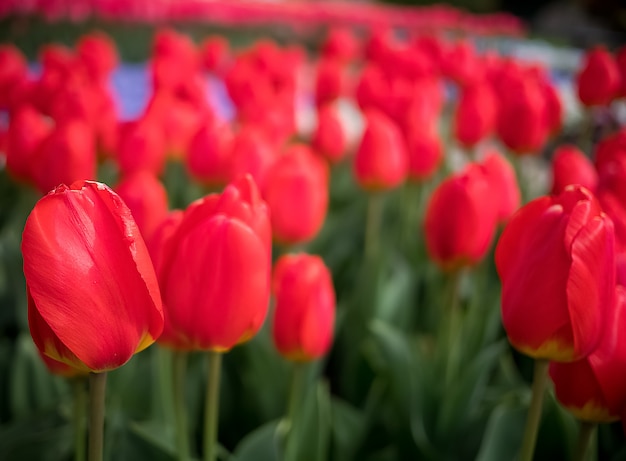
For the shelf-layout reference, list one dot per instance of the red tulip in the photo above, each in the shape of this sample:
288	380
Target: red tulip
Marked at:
68	154
616	210
610	162
330	81
501	175
425	152
599	78
475	115
214	54
556	262
329	138
146	197
215	271
381	160
141	147
209	155
304	315
27	130
460	219
620	60
594	388
13	71
93	296
98	53
571	166
251	153
296	191
340	44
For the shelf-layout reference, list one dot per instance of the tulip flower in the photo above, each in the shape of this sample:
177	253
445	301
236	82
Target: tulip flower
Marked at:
501	176
556	262
340	43
146	197
620	60
93	296
381	160
208	160
304	313
68	154
599	78
214	54
460	219
223	240
425	152
329	138
98	53
251	152
571	166
296	190
141	147
610	162
475	115
330	81
13	71
594	388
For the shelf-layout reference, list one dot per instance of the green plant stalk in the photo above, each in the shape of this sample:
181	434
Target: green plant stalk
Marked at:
211	409
540	381
372	225
413	210
453	331
79	418
584	440
97	393
295	399
180	407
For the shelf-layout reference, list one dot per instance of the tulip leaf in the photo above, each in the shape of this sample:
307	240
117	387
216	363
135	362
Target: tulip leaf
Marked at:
503	434
348	429
262	444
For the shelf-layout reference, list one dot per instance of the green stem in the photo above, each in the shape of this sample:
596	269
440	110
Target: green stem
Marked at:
453	327
97	392
180	407
540	380
295	392
372	225
413	211
584	438
80	422
212	406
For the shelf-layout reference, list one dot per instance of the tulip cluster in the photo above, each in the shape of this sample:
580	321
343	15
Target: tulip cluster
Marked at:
192	246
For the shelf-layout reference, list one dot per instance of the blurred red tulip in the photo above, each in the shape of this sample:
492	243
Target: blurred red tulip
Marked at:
304	314
208	160
68	154
13	71
296	191
141	147
425	152
571	166
501	175
215	54
556	262
251	153
599	78
381	160
475	116
610	162
594	388
460	219
329	138
340	43
98	53
227	236
620	60
330	81
146	198
93	297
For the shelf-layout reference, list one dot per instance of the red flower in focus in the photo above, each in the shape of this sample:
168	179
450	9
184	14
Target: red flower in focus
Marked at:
381	160
594	388
296	191
599	78
460	219
93	296
214	270
571	166
556	262
304	315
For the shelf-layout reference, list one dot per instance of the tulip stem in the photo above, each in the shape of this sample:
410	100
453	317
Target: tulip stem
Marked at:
80	421
180	407
97	392
295	392
212	406
540	381
584	438
453	327
372	225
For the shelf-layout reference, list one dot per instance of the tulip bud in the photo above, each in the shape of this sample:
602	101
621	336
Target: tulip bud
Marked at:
304	315
141	147
501	175
214	54
594	388
329	138
571	166
425	153
475	115
460	219
599	79
251	153
330	81
98	53
556	262
381	160
296	191
93	296
209	154
214	270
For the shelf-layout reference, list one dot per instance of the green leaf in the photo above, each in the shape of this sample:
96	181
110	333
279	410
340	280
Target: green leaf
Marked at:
262	444
503	435
348	429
